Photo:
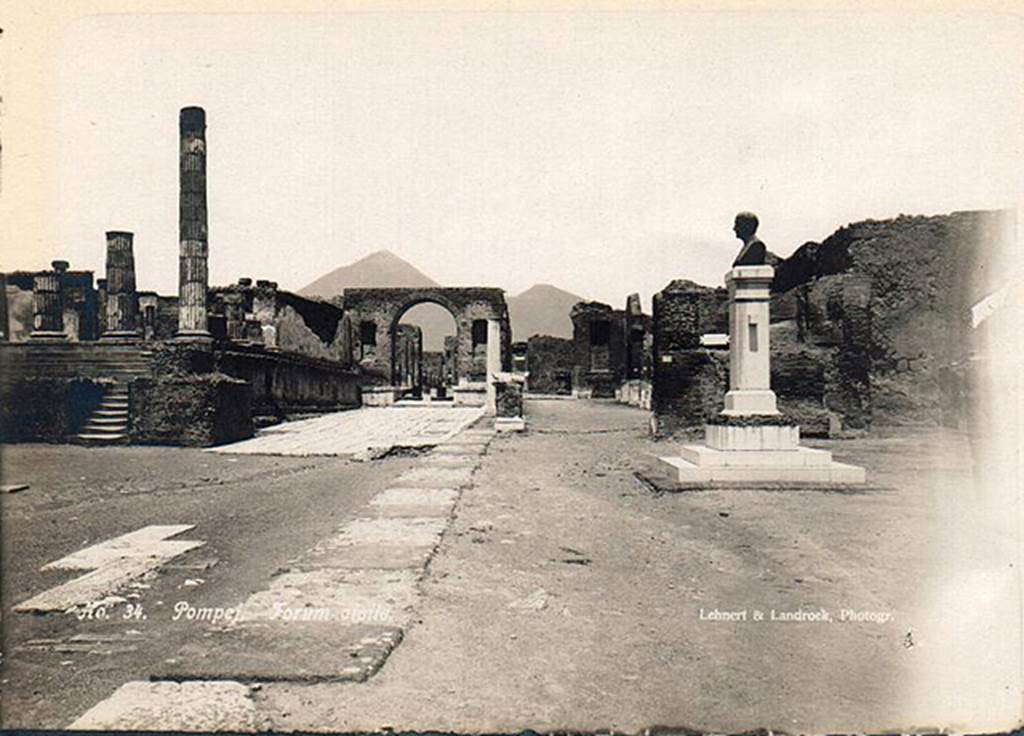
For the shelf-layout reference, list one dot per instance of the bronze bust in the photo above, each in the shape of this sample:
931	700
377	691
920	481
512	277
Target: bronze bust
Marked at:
753	251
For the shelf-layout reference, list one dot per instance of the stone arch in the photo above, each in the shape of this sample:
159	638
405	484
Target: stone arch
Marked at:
403	309
384	308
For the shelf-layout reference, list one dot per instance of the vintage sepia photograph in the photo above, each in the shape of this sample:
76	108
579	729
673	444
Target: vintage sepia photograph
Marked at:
598	368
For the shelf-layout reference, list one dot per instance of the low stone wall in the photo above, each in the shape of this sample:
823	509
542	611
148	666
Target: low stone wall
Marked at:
636	392
549	363
190	410
689	387
288	383
46	409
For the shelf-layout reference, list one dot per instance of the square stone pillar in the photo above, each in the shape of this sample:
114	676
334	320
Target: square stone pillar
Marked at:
750	389
121	302
48	304
493	362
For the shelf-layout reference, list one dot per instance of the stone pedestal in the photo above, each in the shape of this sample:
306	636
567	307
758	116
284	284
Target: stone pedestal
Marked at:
747	445
749	358
509	410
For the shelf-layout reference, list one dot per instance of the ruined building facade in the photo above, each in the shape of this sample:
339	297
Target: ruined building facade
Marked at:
108	362
611	351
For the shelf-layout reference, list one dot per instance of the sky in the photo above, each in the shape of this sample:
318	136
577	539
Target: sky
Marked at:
604	153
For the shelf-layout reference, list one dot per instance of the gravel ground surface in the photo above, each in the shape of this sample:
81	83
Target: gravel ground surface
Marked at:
568	595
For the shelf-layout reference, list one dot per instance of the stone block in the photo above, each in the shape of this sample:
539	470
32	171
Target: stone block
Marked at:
742	402
509	424
470	394
800	457
380	395
771	437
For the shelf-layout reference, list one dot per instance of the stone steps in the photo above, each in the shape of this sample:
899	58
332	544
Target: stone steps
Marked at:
62	360
108	423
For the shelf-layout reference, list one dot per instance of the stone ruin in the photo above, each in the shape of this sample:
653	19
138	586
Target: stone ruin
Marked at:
480	348
867	327
609	355
112	363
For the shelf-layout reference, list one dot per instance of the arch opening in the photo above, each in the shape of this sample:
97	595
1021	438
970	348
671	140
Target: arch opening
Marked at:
425	346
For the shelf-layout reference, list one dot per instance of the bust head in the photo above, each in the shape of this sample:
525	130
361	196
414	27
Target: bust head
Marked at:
746	226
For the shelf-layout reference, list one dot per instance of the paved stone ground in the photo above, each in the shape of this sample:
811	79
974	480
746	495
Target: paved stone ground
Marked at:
567	593
357	431
334	613
253	516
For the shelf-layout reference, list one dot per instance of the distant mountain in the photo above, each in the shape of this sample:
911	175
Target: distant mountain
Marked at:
541	310
382	269
379	269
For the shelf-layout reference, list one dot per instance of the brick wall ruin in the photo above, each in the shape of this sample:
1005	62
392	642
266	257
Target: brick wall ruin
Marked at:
870	326
549	362
599	347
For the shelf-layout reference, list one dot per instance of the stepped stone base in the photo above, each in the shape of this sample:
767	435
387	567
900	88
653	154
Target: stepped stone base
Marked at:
702	464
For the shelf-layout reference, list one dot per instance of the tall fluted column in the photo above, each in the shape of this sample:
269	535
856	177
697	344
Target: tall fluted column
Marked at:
122	299
192	225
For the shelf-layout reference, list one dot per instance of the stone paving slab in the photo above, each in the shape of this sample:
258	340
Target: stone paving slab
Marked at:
368	556
450	461
148	541
173	706
470	437
415	502
331	595
113	565
359	430
440	497
468	448
337	611
435	477
412	532
286	652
